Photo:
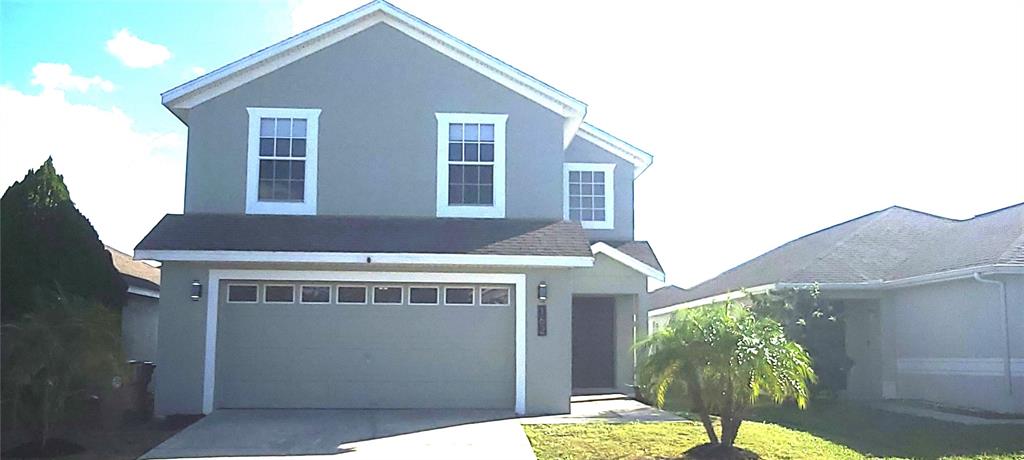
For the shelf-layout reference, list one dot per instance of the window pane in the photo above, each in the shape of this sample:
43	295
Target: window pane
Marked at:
588	202
574	189
574	202
266	147
472	152
242	293
598	203
486	174
352	294
279	294
283	148
316	294
298	190
494	296
266	169
299	127
423	295
471	132
298	147
281	190
298	170
599	189
575	214
587	189
586	215
282	169
284	127
387	295
471	194
266	191
266	127
486	194
486	152
455	174
574	176
487	132
458	296
598	176
599	215
455	151
471	175
455	132
455	194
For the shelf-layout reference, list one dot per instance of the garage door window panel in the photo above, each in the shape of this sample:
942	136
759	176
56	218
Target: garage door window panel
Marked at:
495	296
352	295
387	295
423	295
243	293
279	293
315	294
459	296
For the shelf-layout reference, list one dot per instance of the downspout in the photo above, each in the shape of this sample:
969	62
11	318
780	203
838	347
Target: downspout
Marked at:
1006	326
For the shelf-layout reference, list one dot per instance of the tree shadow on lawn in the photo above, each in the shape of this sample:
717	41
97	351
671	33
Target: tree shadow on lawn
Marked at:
874	432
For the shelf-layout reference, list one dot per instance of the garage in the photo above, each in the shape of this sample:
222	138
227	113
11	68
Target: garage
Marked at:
365	344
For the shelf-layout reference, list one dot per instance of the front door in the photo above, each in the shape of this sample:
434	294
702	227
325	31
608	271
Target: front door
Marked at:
593	342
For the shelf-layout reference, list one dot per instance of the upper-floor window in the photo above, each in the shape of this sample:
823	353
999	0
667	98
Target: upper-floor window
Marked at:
282	161
470	165
589	196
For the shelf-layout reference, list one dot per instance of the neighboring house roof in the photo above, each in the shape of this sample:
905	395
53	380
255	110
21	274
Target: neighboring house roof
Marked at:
142	278
180	99
888	245
637	255
364	236
664	295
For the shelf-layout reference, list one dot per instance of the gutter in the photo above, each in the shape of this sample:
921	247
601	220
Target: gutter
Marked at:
1006	325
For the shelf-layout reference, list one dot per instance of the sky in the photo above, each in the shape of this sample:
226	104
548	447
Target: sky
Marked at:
767	120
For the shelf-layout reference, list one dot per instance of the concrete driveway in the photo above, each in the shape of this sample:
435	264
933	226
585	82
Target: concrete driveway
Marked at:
350	435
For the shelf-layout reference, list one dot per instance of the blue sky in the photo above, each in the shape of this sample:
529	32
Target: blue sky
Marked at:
768	120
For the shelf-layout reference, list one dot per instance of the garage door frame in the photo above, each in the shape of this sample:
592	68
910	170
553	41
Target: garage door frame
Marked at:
213	304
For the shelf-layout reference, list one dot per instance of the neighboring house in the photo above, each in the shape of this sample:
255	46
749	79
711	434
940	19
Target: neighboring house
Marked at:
378	215
934	306
139	315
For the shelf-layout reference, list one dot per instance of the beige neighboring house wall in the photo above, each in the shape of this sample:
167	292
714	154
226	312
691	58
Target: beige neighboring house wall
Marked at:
139	317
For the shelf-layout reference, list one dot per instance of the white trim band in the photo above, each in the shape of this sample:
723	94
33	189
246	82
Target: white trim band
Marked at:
384	258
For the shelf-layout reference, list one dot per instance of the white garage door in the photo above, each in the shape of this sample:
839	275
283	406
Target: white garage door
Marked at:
366	345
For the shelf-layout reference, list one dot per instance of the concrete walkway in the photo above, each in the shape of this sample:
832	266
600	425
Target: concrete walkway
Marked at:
611	408
350	434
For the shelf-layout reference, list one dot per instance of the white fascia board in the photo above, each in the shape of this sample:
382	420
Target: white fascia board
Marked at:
144	292
640	159
235	74
627	260
365	258
712	300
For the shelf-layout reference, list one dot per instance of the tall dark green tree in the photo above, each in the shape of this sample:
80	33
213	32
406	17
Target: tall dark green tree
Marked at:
47	244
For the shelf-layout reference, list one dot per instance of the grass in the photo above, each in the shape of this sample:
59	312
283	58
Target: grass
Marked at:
826	430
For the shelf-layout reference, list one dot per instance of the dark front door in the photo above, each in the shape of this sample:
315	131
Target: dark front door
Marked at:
593	342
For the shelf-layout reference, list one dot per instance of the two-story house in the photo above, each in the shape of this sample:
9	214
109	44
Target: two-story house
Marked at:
379	215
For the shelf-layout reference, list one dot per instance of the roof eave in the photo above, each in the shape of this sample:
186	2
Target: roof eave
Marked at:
640	159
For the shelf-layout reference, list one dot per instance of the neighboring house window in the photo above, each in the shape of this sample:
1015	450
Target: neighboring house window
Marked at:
423	295
589	196
282	161
458	296
352	295
387	295
471	165
243	293
278	293
315	294
495	296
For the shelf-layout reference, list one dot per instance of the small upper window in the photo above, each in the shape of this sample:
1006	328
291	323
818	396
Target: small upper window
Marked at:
589	197
471	165
282	163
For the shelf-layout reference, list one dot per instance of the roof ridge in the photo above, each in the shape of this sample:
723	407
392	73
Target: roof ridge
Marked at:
875	216
1017	246
985	214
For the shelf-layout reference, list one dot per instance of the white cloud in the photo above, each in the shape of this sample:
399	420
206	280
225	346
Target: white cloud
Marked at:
121	178
58	77
135	52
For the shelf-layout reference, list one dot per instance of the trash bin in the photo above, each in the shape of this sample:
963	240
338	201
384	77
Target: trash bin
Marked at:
140	401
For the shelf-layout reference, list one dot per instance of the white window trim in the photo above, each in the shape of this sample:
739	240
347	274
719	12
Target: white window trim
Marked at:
496	211
366	294
472	293
252	178
265	286
373	295
227	296
609	193
213	304
481	296
329	294
437	300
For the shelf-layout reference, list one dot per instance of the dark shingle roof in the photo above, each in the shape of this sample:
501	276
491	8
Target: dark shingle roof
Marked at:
239	232
890	244
136	273
639	250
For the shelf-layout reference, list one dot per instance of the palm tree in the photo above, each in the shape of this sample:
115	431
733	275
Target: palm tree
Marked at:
726	359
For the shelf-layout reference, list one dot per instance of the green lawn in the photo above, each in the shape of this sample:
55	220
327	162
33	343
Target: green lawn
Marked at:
825	430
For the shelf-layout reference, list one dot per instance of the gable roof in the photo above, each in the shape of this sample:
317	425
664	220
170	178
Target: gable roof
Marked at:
641	160
262	62
137	274
637	255
888	245
355	239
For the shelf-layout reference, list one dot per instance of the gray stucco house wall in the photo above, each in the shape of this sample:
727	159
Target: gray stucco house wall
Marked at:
379	84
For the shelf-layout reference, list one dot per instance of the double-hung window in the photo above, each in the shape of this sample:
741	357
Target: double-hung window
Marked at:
589	196
470	165
282	161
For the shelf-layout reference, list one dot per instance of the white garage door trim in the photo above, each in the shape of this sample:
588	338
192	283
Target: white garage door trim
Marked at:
213	303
